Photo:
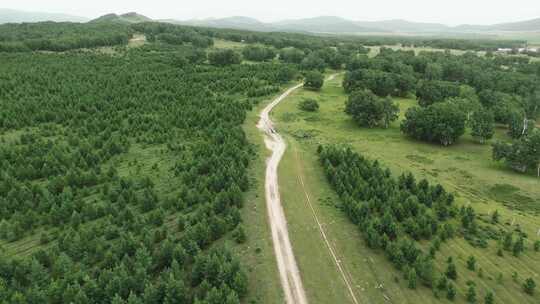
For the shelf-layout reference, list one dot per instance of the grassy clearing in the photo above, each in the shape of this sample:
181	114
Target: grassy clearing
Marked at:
137	40
374	50
466	169
227	44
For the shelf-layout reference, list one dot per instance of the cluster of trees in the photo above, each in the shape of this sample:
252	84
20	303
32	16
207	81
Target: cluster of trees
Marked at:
431	91
521	154
454	93
173	34
393	213
441	123
63	36
369	110
224	57
77	132
314	80
382	78
258	53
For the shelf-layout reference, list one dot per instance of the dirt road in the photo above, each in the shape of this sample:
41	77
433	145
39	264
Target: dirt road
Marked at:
288	269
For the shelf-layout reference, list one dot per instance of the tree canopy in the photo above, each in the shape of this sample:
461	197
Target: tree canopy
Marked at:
442	123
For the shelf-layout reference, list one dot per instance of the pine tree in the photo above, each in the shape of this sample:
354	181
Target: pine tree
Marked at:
518	247
495	217
451	292
489	298
411	278
471	294
451	272
471	263
529	286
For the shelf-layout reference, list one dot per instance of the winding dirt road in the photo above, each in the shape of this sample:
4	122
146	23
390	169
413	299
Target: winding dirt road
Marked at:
288	269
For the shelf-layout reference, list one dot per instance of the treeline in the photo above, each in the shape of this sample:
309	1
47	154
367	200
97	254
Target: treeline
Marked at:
173	34
313	41
442	43
72	126
63	36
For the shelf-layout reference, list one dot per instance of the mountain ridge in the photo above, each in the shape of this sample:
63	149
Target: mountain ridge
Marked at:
17	16
131	17
318	24
334	24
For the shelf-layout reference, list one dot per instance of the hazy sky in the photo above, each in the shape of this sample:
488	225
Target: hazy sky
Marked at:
444	11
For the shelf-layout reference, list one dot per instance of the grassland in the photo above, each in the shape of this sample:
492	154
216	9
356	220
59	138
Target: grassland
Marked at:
227	44
374	50
466	169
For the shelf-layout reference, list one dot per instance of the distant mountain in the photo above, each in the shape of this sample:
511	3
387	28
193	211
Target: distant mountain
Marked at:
324	24
321	24
404	26
235	22
16	16
336	25
125	18
521	26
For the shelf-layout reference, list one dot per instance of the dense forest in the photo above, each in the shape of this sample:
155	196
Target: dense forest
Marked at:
51	36
112	226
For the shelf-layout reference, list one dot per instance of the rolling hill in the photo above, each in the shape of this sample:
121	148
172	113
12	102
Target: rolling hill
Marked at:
522	26
320	24
324	24
124	18
17	16
400	25
234	22
335	25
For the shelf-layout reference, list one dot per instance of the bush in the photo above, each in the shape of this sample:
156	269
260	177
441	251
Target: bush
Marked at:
310	105
239	234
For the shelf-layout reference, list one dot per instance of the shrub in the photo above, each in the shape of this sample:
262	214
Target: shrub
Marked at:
309	105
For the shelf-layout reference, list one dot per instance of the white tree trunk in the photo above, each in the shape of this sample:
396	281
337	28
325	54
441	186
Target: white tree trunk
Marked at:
525	125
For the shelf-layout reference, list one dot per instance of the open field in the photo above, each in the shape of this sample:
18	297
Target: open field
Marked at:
374	50
227	44
466	169
137	40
